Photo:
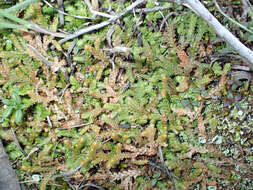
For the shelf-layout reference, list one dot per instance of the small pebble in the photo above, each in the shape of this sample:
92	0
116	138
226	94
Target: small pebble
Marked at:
36	177
240	113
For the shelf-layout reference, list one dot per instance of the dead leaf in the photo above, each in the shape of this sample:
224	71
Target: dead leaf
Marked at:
184	111
4	71
216	90
193	150
185	62
183	83
183	57
201	127
113	77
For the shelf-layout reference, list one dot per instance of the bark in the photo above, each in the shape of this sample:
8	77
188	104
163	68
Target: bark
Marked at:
8	179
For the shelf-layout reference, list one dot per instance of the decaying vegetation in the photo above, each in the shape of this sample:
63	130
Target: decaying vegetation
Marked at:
153	100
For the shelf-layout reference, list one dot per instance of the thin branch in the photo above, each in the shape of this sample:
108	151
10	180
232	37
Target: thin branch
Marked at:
247	8
31	152
81	125
67	180
109	35
39	29
101	14
220	30
12	26
91	185
61	94
49	122
147	10
165	167
239	67
48	119
96	13
230	19
64	174
10	16
160	168
103	24
21	5
40	56
17	143
60	7
26	24
85	30
37	87
64	13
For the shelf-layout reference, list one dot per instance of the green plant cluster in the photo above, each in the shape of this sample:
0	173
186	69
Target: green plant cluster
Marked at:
153	95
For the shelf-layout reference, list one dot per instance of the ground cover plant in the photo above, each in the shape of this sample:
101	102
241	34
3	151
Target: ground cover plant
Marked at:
153	101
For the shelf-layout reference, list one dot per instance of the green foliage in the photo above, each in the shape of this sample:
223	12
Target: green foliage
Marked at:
121	106
41	112
15	107
13	151
75	84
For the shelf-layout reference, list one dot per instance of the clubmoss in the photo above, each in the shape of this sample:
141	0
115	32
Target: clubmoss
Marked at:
121	106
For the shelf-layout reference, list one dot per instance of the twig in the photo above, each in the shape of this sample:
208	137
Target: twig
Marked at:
91	185
31	152
39	29
25	24
230	19
21	5
239	67
10	16
220	30
17	143
60	11
109	35
96	13
84	31
37	87
81	125
48	120
60	7
101	14
42	58
147	10
247	7
102	24
71	47
63	91
164	20
12	26
64	174
69	57
165	167
225	57
68	182
118	49
156	166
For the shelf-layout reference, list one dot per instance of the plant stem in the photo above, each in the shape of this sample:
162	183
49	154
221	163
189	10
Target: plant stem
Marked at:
9	25
232	20
21	5
221	31
10	16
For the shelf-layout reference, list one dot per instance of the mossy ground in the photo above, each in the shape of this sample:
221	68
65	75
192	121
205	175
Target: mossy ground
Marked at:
109	110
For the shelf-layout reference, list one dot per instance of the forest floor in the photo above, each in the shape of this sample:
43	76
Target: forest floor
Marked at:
153	100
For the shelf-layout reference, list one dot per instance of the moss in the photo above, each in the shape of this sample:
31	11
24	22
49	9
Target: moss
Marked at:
152	96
